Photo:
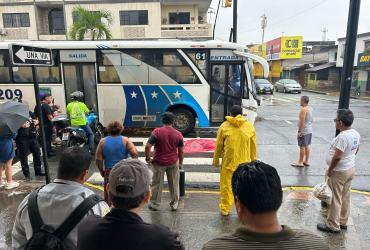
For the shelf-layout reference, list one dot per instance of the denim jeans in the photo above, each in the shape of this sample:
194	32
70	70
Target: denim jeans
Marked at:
90	136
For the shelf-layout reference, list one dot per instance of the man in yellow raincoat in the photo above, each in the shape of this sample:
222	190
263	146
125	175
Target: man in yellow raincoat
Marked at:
236	144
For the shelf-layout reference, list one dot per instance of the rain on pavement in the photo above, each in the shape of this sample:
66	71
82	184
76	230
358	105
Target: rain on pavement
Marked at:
198	218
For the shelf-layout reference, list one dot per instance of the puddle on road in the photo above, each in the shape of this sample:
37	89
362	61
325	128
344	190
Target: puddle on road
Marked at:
9	202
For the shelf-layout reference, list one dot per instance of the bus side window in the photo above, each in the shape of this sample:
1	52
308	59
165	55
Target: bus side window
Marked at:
170	63
48	74
22	74
200	59
122	67
4	67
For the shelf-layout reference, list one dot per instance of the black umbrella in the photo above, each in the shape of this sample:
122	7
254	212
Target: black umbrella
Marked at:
12	116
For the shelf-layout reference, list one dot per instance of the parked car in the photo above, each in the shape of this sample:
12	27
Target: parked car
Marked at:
263	86
288	86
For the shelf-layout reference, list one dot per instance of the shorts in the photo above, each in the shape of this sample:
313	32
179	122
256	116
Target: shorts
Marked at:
304	140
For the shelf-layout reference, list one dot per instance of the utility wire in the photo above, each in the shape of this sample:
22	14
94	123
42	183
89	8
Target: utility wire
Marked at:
272	23
214	25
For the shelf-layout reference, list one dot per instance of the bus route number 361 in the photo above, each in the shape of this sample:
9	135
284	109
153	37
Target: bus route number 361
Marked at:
10	94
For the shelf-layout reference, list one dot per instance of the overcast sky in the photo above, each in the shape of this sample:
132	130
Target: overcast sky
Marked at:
293	17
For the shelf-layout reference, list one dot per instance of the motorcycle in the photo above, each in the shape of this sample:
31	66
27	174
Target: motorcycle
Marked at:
60	122
76	136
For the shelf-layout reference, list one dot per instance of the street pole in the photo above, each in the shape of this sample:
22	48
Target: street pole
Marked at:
235	20
41	124
349	54
263	26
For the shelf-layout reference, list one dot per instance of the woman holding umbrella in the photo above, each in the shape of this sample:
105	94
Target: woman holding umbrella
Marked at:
12	116
7	154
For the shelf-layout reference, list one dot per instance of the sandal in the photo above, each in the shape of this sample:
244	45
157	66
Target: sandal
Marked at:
306	164
297	165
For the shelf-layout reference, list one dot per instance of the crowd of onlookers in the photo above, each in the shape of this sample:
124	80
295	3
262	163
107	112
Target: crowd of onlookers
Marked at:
66	213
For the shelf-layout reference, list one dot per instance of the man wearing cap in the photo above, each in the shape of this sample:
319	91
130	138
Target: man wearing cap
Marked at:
168	158
122	227
47	117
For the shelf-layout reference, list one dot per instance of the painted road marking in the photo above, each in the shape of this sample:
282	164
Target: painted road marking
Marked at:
190	177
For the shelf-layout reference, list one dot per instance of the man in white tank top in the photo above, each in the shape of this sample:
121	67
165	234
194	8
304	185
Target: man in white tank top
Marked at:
304	134
341	161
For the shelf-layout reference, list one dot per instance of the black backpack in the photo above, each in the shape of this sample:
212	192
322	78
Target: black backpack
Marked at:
45	237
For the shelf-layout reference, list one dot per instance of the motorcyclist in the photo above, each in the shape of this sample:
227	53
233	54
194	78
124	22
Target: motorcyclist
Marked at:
77	111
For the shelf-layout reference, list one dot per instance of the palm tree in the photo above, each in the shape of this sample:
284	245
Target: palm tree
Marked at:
91	22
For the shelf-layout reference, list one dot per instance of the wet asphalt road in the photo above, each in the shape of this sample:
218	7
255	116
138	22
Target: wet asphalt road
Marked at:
198	220
277	143
276	129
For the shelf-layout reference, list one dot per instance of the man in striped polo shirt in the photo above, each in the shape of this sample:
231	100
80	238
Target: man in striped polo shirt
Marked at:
258	195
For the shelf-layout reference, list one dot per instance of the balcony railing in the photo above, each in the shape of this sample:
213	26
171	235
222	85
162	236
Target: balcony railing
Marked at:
52	37
187	30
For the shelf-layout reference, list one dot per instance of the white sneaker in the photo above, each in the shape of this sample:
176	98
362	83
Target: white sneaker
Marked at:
11	185
2	184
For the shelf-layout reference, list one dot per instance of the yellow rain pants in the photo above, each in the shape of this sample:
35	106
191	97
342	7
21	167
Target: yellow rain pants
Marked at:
236	144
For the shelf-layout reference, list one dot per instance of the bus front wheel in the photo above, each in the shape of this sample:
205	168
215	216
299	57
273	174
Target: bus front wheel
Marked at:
184	120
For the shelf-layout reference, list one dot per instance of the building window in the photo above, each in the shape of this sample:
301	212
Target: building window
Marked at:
4	68
133	17
14	20
367	46
56	22
179	18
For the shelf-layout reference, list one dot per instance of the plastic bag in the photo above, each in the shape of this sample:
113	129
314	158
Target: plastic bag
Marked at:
323	192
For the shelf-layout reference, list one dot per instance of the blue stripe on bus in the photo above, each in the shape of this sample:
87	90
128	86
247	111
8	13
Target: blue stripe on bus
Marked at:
179	95
158	100
157	103
135	105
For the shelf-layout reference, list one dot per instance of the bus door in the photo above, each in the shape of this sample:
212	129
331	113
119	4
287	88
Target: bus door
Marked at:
227	81
81	77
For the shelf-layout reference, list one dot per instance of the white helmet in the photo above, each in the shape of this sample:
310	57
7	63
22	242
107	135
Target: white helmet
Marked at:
77	95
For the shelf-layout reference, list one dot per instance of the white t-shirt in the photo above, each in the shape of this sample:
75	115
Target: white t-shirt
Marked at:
348	142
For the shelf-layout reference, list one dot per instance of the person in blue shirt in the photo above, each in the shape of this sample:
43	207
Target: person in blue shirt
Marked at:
7	154
111	150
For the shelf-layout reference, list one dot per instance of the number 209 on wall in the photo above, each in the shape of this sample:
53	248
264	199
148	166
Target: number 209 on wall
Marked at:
10	94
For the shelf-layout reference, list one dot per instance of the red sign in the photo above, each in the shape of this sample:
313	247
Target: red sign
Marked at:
273	46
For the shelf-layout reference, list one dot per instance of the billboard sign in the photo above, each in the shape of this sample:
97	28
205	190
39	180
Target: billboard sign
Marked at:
291	47
273	49
363	60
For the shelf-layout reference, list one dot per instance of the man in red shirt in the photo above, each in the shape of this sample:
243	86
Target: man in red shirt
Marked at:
168	157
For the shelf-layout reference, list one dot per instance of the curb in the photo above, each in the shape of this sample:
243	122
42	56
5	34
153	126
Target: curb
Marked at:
327	93
199	189
315	91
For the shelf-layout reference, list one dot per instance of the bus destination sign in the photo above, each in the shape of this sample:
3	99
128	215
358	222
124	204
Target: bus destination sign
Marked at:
26	55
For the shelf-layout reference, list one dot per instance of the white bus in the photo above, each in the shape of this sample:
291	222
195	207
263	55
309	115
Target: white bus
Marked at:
137	81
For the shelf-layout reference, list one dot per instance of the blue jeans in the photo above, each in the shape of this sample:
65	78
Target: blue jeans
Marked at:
90	136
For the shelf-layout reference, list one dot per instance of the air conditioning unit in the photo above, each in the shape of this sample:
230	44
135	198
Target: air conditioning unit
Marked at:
3	32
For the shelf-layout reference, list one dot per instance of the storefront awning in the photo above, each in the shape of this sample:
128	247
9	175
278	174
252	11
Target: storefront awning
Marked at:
321	67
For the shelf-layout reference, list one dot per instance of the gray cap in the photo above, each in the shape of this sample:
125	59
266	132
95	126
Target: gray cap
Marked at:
130	178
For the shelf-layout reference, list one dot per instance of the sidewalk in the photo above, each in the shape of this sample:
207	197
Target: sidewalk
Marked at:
198	219
336	93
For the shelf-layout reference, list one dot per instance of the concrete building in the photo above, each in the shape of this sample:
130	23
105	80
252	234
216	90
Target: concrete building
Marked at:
361	73
317	67
141	19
